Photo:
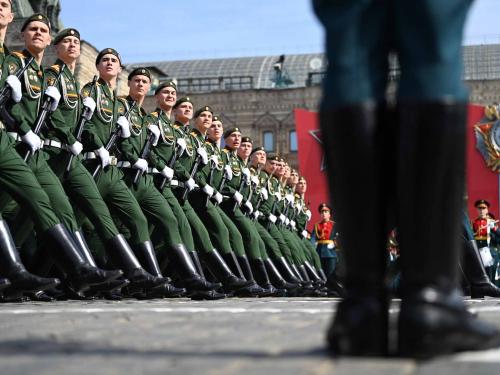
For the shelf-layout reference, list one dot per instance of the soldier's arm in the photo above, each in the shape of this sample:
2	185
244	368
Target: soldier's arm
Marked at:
90	138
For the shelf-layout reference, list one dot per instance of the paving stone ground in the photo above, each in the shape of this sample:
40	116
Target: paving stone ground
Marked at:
179	336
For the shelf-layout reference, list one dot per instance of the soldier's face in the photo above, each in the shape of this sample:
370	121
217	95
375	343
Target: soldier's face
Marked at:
281	169
259	157
184	112
294	178
139	85
325	215
244	150
301	186
68	48
286	172
109	66
482	211
6	15
233	141
272	166
36	36
215	131
166	98
203	121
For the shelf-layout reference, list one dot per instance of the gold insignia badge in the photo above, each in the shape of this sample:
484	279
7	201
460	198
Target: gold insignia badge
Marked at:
143	71
72	32
12	68
40	17
110	50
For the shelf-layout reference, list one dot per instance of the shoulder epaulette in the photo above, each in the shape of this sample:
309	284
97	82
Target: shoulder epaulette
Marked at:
225	150
154	114
176	126
193	133
55	68
19	54
208	143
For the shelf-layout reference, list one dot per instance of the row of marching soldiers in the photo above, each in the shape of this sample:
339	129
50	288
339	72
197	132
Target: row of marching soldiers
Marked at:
101	199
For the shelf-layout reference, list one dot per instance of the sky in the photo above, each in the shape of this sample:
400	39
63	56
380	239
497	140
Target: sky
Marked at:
161	30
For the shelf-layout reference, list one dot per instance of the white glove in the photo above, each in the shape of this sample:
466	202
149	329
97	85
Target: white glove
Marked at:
255	180
154	129
305	233
16	92
181	142
32	140
88	108
293	224
228	172
53	93
214	159
202	153
249	206
299	206
104	156
208	190
272	218
256	214
238	197
308	214
277	195
76	148
283	219
264	193
168	173
190	184
287	221
289	198
124	125
141	164
491	224
246	173
218	197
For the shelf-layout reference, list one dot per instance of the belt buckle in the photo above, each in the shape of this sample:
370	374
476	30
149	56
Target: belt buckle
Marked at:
113	160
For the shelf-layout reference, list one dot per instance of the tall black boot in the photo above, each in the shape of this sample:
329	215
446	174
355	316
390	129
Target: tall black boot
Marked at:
433	319
197	263
261	276
354	139
84	248
186	270
223	273
276	278
234	265
312	273
480	283
67	256
253	290
12	267
286	271
297	273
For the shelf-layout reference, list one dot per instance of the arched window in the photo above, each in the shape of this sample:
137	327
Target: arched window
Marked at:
268	140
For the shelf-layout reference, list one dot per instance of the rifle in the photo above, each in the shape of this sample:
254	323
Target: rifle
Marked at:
259	200
253	186
40	120
81	124
113	138
210	180
146	150
6	90
191	175
170	164
243	182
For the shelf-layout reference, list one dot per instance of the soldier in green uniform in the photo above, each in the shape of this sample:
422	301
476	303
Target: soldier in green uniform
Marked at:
17	179
163	161
133	162
120	200
186	181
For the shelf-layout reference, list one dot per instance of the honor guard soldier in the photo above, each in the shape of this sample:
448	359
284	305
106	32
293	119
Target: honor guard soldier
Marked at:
485	227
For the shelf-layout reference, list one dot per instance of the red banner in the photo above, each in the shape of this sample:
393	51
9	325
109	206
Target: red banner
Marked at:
482	183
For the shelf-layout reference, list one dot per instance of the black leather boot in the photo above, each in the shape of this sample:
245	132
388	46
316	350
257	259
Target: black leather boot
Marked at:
253	290
276	277
197	263
480	283
313	275
433	319
84	248
122	256
66	254
286	271
12	267
186	269
262	278
234	265
357	144
222	272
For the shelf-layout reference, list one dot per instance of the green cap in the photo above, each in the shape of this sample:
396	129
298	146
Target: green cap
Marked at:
246	139
230	131
64	33
107	51
184	99
274	157
164	84
216	118
36	17
203	109
255	149
139	72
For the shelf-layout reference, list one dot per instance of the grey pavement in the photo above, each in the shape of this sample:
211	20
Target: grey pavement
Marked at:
179	336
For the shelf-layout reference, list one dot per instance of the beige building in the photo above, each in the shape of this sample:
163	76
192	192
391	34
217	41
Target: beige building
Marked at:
258	94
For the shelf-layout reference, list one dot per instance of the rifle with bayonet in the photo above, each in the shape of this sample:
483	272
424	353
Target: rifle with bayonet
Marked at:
112	140
146	150
81	123
42	114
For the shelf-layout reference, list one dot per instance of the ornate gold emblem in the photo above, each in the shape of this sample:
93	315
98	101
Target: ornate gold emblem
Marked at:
487	133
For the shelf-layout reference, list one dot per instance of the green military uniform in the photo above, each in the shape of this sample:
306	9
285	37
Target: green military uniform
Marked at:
23	117
109	181
78	182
